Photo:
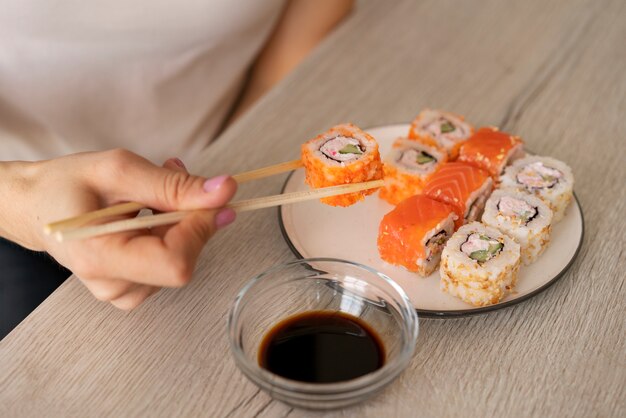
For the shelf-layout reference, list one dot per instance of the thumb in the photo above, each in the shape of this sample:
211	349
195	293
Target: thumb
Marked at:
137	179
176	190
205	224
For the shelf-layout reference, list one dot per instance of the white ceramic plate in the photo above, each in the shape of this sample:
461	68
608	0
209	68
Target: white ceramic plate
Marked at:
313	229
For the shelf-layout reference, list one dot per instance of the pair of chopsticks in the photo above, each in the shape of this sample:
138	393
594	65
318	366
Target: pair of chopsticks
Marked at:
73	229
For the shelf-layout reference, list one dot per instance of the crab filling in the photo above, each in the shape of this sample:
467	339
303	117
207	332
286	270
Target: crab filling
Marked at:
415	159
435	244
442	126
517	209
481	248
538	176
342	149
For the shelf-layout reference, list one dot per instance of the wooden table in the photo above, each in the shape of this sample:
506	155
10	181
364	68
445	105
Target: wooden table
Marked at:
553	72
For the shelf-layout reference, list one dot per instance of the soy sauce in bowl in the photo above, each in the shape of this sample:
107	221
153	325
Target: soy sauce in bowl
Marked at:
321	347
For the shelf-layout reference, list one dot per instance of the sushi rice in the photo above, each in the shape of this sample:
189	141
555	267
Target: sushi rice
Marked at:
545	177
479	264
524	217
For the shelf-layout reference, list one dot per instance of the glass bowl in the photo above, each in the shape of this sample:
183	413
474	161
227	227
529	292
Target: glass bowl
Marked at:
322	284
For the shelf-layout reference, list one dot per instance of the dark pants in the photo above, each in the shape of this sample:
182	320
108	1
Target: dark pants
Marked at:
26	279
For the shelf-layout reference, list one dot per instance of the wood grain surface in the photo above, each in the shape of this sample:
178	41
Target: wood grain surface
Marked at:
553	72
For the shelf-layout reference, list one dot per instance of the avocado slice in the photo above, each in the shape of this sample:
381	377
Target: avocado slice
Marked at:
350	149
447	127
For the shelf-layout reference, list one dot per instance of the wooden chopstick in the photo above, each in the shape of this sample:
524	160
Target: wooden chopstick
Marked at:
267	171
130	207
240	206
302	196
77	221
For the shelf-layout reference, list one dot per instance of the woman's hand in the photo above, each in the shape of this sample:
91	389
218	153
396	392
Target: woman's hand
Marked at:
123	268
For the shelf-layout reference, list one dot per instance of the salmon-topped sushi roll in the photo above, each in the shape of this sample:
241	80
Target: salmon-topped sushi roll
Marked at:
466	188
415	232
491	150
407	168
344	154
441	129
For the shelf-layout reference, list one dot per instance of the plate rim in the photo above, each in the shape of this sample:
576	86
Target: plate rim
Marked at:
444	314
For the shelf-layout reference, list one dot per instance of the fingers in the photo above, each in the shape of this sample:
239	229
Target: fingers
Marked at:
176	254
175	164
129	177
120	293
134	298
107	290
191	234
161	257
166	261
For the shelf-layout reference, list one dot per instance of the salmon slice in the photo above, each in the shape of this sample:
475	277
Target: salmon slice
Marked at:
464	187
414	233
491	150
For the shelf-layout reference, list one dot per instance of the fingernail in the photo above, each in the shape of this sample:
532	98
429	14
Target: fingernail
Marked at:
224	217
215	183
178	162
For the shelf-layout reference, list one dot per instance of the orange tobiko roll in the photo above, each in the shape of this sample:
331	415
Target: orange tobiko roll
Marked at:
415	232
466	188
407	168
344	154
491	150
444	130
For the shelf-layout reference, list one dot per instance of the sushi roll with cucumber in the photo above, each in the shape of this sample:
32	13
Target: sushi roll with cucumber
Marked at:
407	167
414	233
466	188
444	130
491	150
547	178
344	154
479	264
522	216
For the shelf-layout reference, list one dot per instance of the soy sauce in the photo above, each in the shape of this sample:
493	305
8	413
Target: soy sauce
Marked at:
321	347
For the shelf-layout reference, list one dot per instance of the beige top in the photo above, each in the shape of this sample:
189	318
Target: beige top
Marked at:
153	76
554	75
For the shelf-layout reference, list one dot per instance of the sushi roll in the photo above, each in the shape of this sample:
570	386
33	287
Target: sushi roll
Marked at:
344	154
441	129
522	216
491	150
550	179
407	167
479	264
414	233
464	187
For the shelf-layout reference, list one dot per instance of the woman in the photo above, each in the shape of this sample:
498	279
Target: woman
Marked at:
92	93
